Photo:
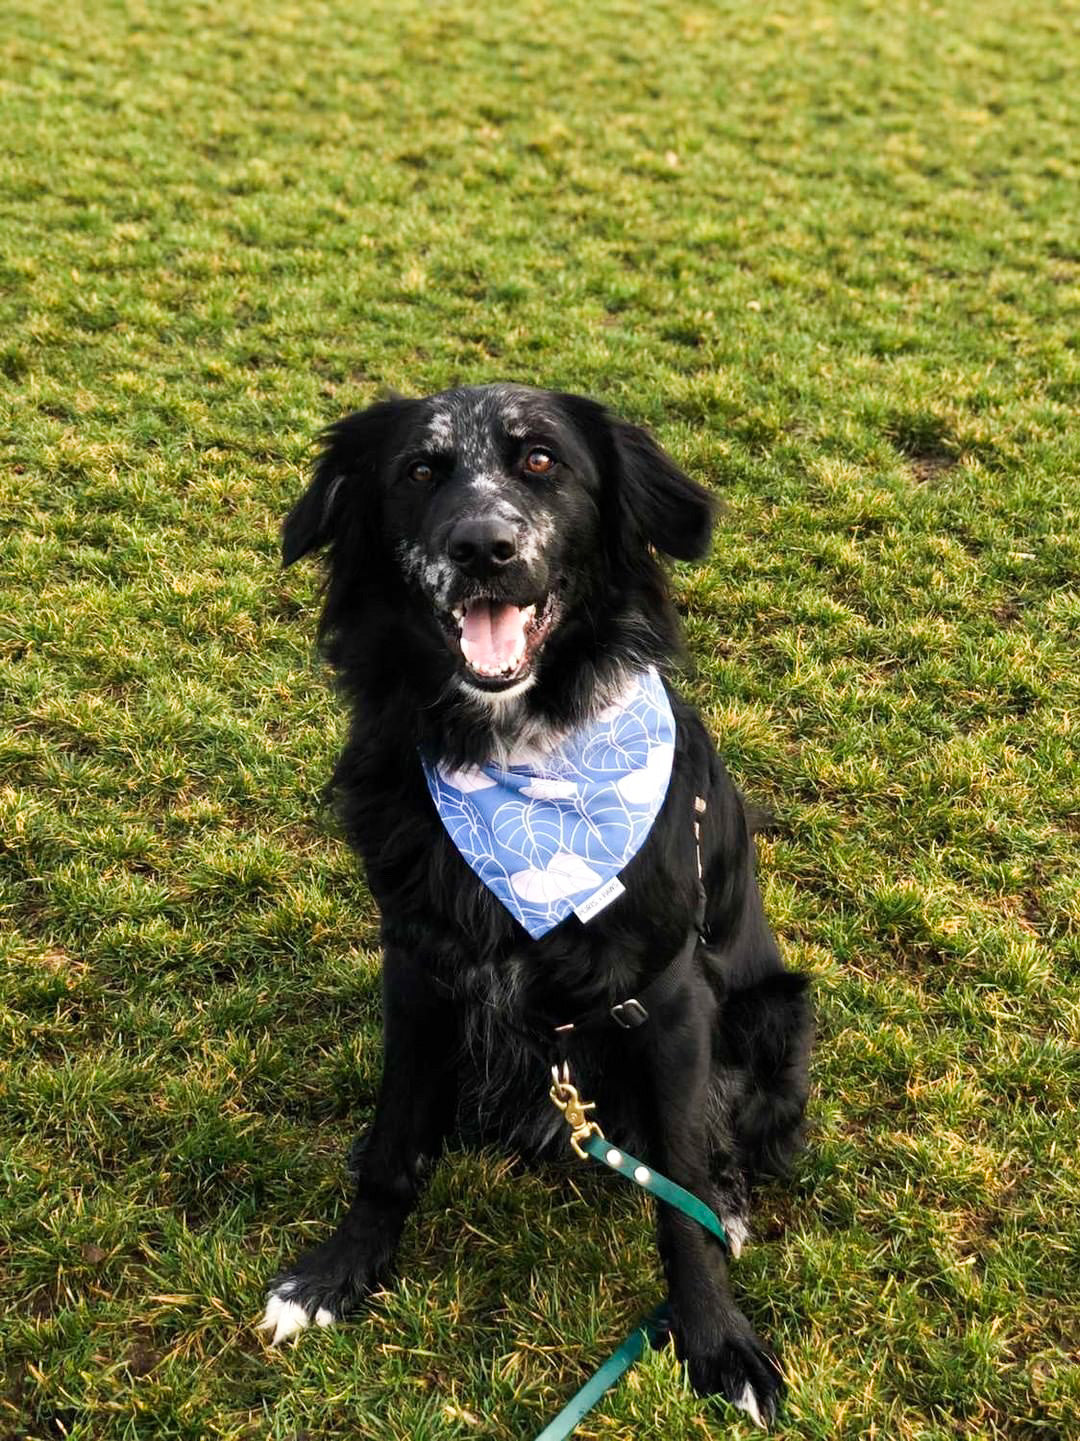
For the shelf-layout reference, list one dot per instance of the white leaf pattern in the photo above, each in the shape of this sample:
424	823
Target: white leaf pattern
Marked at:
543	837
639	787
564	875
543	788
469	778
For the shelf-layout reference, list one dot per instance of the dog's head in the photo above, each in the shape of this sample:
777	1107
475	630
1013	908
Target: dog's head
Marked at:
508	525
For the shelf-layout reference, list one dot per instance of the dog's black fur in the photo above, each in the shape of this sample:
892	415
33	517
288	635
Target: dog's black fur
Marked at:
712	1089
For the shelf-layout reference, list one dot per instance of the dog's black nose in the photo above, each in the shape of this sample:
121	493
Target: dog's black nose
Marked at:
480	544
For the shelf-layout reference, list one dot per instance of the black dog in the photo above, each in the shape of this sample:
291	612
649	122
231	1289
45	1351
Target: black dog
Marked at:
493	584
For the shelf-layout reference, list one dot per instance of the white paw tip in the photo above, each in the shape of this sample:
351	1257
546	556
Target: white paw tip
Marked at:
284	1318
748	1402
738	1233
323	1317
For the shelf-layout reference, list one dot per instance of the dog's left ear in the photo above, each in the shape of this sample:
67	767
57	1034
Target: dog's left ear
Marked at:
673	512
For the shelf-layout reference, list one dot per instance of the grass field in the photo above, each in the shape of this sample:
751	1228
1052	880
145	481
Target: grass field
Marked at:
830	252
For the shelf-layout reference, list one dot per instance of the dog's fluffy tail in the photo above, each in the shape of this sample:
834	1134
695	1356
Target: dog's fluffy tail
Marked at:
766	1029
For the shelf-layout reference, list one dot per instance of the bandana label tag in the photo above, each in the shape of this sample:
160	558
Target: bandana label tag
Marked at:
594	904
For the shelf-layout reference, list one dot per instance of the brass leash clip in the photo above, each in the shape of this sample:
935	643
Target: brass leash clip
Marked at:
565	1096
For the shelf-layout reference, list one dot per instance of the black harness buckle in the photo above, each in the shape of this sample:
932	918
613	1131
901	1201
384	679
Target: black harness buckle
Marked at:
629	1014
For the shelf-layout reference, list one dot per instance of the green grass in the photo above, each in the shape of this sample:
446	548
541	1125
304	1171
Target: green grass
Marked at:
830	253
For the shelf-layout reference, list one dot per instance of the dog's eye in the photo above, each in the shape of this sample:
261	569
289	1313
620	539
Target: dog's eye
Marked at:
421	471
539	462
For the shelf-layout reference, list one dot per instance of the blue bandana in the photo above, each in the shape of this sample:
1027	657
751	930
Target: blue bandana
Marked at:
550	836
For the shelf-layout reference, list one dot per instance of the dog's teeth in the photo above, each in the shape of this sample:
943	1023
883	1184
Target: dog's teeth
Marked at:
500	672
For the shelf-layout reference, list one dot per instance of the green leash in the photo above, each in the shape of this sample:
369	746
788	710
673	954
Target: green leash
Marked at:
587	1139
651	1328
652	1181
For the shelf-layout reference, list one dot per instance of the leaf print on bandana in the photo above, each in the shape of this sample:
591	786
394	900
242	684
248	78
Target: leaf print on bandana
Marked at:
564	875
639	787
545	836
468	778
543	788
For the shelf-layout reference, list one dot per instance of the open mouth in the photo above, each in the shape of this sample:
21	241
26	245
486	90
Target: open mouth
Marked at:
499	642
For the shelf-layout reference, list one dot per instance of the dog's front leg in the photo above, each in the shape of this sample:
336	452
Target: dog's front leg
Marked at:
413	1112
719	1346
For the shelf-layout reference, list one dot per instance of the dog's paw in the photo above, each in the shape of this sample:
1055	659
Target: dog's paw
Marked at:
738	1233
326	1283
743	1372
285	1317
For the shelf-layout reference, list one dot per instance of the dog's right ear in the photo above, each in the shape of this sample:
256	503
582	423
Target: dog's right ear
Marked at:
344	472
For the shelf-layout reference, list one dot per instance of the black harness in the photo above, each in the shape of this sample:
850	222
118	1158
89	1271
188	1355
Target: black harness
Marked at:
547	1039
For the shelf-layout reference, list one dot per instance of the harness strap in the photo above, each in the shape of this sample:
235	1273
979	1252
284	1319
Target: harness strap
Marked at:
547	1040
635	1010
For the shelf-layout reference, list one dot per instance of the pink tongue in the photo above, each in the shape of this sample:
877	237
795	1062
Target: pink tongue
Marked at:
492	634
